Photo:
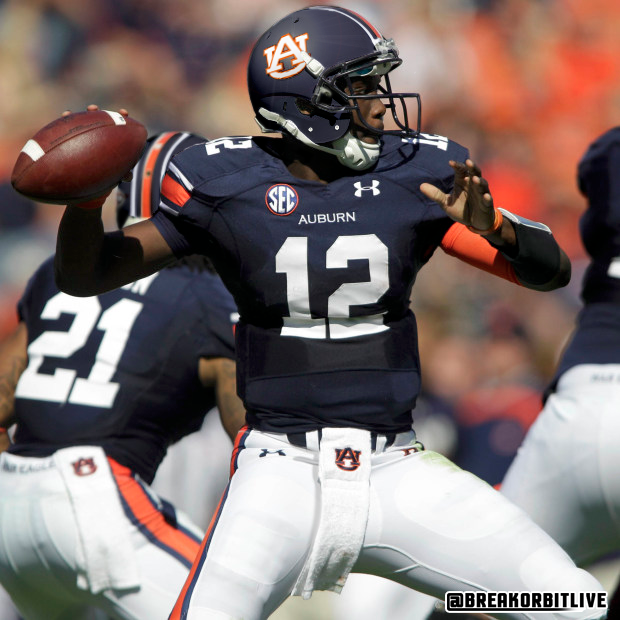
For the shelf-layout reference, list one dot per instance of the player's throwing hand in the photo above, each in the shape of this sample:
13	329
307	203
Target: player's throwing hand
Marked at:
470	201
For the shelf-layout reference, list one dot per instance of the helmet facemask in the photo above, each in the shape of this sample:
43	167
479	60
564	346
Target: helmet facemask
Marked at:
337	81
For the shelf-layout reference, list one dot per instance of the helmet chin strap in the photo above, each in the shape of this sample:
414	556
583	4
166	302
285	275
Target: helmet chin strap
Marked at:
349	150
355	154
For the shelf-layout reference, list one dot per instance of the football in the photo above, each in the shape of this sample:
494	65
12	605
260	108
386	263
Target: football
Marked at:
78	157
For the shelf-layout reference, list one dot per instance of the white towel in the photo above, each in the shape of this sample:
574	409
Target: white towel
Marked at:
344	475
106	557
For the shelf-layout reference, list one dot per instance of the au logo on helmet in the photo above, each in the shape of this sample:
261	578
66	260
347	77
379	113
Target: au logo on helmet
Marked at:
287	47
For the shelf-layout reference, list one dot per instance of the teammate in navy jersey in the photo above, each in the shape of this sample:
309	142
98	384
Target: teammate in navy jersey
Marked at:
319	237
566	472
99	387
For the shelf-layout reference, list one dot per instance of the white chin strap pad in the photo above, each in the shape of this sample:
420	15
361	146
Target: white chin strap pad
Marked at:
355	154
350	152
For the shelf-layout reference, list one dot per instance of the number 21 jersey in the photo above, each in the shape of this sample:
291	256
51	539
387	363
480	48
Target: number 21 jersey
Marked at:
120	370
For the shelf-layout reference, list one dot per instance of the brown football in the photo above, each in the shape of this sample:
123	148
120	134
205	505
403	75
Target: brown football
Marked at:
78	157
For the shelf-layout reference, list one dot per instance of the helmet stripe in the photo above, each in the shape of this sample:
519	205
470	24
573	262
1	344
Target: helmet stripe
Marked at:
146	175
372	32
365	21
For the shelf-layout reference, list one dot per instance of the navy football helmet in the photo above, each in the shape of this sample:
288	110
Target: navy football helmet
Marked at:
138	199
299	80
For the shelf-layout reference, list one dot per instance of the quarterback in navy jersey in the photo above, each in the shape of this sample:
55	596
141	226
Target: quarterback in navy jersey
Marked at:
566	472
99	387
319	237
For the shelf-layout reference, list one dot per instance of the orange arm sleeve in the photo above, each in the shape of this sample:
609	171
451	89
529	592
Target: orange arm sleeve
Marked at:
476	251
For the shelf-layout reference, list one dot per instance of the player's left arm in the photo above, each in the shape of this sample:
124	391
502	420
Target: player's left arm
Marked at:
538	263
495	240
220	373
13	361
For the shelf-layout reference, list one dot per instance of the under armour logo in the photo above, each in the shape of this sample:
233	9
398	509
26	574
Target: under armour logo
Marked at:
348	459
359	188
84	467
265	452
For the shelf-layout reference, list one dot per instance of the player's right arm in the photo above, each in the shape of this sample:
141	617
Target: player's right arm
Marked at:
13	361
90	261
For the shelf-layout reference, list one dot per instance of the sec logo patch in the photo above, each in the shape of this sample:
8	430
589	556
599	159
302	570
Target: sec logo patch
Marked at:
281	199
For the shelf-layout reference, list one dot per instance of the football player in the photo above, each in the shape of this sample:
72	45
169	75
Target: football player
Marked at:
99	388
319	237
566	472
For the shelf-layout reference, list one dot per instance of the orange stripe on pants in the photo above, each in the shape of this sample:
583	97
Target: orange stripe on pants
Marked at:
200	557
147	515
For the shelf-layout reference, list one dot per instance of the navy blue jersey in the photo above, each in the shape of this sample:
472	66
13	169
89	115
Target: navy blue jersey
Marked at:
597	337
321	274
120	370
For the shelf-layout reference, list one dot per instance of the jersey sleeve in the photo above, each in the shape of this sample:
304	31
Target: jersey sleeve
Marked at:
217	337
41	279
171	219
218	315
197	182
25	301
172	234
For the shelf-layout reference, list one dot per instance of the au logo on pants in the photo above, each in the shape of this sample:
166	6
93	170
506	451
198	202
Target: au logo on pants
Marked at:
84	467
347	459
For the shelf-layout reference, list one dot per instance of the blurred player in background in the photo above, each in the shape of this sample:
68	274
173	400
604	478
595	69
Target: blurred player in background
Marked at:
199	461
319	236
567	472
101	387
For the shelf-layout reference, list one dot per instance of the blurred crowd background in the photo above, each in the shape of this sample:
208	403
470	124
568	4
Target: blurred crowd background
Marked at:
524	84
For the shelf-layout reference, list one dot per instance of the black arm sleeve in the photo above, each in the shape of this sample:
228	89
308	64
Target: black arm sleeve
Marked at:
539	260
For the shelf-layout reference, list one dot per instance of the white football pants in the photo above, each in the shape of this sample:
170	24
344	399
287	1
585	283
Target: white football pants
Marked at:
566	475
41	550
431	526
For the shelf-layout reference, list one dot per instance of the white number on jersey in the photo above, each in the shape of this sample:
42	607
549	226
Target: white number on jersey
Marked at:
97	390
213	147
292	259
441	142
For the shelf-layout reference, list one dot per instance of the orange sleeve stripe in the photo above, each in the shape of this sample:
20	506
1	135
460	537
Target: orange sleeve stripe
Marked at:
146	208
174	191
149	517
476	251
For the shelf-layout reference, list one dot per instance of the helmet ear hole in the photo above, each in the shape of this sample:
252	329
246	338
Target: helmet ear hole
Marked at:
305	107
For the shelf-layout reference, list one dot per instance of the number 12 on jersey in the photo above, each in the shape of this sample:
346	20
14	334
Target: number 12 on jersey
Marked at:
292	260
